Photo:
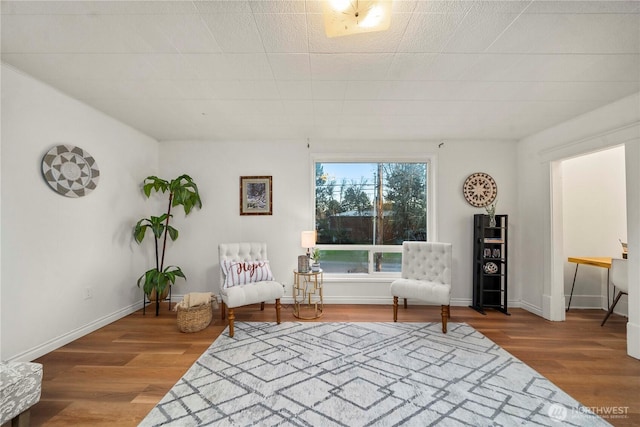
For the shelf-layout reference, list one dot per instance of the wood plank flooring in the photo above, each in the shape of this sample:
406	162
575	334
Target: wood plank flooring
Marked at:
115	375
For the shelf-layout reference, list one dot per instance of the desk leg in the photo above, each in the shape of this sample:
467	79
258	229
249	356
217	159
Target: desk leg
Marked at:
608	270
572	286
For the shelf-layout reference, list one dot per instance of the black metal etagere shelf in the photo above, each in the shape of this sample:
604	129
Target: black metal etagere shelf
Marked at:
490	254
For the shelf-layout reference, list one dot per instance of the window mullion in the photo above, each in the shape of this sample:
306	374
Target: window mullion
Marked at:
370	256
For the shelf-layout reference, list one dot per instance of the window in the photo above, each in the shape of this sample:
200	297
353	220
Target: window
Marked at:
365	210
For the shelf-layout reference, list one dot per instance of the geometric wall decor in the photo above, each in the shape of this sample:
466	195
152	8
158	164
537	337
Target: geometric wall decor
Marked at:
479	189
70	170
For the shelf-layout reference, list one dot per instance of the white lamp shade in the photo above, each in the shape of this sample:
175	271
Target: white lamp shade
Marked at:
308	239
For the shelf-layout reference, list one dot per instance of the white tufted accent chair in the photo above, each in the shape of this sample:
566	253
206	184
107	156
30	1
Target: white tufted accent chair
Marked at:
426	276
251	293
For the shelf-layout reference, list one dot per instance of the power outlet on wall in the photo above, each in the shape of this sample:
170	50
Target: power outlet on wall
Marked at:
88	292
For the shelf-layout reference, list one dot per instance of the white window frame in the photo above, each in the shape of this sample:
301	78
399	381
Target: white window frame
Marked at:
373	276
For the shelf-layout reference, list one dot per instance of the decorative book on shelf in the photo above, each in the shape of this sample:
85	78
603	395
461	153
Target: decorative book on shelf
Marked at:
493	240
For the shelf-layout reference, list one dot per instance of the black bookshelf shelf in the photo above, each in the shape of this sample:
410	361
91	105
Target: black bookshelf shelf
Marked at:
490	255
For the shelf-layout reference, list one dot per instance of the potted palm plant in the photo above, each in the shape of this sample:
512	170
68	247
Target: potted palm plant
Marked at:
182	192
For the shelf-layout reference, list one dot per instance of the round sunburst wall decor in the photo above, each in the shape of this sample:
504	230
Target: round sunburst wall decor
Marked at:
480	189
70	170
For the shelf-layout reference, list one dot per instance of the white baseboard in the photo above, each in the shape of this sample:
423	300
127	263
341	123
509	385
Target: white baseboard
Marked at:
531	308
587	301
55	343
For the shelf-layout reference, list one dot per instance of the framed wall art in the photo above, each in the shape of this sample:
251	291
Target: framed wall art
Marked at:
256	195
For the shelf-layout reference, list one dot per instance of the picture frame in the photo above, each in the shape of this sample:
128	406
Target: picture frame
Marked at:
256	195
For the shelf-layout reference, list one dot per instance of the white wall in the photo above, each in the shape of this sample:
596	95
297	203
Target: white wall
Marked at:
632	161
217	166
595	217
540	265
53	247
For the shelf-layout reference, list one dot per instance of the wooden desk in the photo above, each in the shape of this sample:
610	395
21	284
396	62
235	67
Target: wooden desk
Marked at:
603	262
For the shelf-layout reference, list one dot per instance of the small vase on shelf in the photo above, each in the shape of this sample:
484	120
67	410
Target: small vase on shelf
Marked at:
491	211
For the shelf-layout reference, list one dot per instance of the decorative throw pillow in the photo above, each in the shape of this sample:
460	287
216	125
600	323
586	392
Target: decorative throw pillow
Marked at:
243	272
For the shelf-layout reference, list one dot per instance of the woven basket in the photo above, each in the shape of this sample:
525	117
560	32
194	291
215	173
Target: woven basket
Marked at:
194	319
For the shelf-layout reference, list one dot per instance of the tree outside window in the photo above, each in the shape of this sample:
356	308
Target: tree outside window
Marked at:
372	204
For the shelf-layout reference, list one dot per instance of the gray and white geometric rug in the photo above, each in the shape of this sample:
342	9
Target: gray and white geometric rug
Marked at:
363	374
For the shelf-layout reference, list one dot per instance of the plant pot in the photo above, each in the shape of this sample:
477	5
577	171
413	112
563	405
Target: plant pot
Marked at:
151	296
315	267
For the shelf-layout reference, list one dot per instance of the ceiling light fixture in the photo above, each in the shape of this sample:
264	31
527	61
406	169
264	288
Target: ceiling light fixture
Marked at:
345	17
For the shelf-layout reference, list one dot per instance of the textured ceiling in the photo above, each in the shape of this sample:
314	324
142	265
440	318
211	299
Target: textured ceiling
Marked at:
232	70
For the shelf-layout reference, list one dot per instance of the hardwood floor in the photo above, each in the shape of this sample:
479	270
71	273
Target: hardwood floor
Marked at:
116	375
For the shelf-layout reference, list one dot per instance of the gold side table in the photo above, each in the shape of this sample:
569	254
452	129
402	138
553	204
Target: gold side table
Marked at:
307	294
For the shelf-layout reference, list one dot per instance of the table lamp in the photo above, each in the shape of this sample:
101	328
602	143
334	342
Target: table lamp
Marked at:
307	241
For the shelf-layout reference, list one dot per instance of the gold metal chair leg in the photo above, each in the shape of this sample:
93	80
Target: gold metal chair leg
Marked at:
395	309
232	317
445	316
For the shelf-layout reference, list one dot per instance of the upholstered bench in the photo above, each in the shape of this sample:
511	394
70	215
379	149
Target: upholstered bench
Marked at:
20	387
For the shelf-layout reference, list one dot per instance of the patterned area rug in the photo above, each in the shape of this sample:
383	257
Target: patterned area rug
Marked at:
363	374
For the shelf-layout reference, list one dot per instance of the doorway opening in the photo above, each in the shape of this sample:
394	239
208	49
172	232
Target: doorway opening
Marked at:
590	214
